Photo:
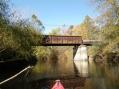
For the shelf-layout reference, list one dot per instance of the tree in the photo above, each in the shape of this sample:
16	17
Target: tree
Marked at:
87	29
37	23
4	9
17	38
55	31
109	26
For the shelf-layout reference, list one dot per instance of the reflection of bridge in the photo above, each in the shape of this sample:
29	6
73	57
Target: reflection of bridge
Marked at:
80	45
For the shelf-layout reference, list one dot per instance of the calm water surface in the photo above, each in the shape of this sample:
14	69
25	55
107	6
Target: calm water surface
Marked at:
84	75
73	75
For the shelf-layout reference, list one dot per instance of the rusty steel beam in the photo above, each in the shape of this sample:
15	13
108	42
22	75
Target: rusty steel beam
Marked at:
52	40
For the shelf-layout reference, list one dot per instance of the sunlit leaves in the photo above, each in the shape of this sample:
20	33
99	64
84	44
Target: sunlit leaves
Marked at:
17	37
110	28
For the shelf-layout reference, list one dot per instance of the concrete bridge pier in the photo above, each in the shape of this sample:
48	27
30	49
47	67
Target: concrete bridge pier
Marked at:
75	48
80	53
81	60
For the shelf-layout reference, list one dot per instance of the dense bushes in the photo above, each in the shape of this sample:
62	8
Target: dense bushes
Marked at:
16	37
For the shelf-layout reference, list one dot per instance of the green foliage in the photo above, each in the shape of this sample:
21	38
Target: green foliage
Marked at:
87	29
109	30
41	51
4	9
55	31
17	38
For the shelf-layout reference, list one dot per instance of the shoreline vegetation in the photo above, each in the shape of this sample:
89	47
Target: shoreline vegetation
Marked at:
17	35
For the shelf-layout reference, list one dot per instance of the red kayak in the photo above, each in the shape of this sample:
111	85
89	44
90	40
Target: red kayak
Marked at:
58	85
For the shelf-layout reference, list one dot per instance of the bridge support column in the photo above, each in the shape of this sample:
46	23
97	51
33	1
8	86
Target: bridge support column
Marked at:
81	61
80	53
75	48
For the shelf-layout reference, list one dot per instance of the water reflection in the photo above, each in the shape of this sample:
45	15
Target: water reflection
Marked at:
103	76
81	68
90	76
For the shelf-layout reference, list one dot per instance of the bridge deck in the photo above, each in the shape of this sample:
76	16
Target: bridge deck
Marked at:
51	40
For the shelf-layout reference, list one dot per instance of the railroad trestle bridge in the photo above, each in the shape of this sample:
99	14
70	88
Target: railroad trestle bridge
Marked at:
80	45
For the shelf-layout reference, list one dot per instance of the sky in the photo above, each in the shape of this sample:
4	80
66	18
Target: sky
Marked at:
55	13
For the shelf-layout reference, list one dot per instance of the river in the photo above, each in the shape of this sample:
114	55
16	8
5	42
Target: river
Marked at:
85	75
73	75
